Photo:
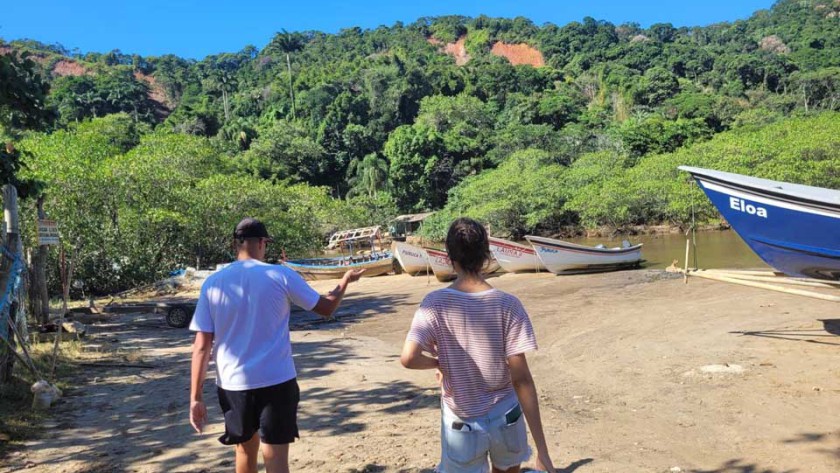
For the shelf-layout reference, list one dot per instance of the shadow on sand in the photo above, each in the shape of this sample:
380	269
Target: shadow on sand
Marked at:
741	466
830	335
356	307
374	468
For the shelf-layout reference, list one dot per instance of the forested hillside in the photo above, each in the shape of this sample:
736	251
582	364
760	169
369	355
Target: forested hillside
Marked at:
352	128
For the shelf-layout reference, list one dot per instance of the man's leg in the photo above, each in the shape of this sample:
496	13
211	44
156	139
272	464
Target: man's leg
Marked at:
276	458
246	455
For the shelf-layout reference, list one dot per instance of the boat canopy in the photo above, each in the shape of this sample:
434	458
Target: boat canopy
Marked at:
365	233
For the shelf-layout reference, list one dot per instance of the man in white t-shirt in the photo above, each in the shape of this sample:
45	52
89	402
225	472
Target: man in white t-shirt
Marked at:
244	308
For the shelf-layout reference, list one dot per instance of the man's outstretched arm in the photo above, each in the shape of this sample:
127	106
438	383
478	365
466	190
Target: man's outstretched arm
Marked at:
328	304
202	347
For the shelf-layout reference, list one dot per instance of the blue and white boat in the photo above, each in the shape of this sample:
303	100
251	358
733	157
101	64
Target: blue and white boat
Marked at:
792	227
314	269
374	262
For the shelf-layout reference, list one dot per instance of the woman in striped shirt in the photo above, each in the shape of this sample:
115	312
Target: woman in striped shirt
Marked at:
477	337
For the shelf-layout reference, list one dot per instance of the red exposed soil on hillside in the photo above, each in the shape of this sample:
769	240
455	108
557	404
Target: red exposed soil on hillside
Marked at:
156	94
62	67
456	49
66	67
518	54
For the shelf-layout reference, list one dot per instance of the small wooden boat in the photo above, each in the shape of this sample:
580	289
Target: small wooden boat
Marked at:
443	269
313	269
412	259
514	257
375	263
561	257
792	227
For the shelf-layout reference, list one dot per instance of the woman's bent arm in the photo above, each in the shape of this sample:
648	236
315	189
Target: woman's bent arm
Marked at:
413	358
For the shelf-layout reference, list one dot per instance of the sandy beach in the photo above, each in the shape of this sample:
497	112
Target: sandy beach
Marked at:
636	371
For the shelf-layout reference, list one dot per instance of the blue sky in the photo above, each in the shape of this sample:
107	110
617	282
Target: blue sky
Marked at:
192	28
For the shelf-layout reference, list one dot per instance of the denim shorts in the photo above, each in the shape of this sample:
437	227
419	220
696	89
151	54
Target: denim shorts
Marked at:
466	443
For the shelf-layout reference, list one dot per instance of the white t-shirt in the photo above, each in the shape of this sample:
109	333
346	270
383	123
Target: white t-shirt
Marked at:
246	306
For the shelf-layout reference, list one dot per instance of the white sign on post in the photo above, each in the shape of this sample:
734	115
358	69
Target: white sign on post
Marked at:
47	232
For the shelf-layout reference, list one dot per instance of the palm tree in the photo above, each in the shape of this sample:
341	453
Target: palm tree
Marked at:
367	176
223	81
288	43
227	83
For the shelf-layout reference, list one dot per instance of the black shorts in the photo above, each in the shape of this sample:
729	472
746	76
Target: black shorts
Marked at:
271	410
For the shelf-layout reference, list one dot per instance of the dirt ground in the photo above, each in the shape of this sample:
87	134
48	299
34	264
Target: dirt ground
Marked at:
636	372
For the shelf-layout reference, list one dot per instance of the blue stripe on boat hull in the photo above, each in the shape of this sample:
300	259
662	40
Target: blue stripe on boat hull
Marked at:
791	238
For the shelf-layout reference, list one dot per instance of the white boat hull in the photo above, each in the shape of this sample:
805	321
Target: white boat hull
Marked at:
564	257
413	259
441	265
515	258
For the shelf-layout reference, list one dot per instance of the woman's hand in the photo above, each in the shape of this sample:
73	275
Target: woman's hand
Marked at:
544	463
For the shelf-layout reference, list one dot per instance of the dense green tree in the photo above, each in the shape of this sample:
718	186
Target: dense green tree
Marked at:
23	94
514	199
818	90
656	134
285	151
415	154
367	176
80	97
656	85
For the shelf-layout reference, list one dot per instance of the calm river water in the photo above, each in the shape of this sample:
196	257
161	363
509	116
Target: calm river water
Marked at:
715	249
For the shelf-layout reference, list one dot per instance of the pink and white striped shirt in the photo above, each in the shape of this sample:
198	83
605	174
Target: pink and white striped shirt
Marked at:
472	335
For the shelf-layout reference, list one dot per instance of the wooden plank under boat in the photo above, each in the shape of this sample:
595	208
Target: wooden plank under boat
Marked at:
314	269
561	257
412	259
514	257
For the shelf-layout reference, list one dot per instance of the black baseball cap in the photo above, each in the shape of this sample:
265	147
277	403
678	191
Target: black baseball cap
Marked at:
250	228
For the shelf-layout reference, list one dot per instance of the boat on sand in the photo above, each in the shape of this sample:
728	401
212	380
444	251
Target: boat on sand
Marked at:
375	263
515	257
412	259
562	257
